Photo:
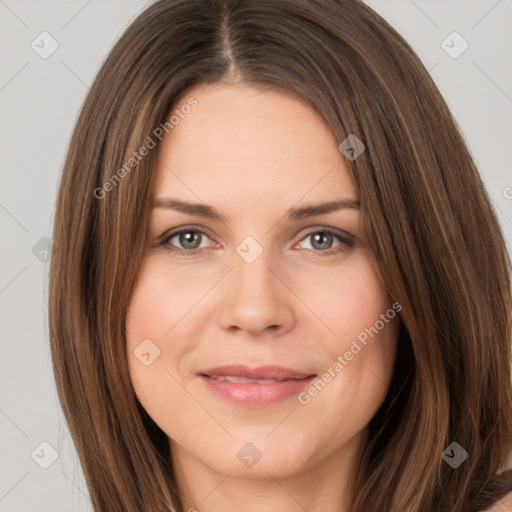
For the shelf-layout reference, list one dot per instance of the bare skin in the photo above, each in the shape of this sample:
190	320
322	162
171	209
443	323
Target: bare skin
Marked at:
253	156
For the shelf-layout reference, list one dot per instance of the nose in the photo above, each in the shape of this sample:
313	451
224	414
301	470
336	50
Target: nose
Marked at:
256	300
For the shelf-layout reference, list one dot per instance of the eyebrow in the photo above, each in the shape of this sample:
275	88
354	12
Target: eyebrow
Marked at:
203	210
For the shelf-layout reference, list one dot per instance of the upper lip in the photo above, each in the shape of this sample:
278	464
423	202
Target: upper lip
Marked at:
278	373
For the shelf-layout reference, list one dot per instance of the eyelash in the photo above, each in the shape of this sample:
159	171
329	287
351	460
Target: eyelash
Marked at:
345	242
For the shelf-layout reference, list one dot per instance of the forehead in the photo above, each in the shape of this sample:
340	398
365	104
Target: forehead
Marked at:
255	145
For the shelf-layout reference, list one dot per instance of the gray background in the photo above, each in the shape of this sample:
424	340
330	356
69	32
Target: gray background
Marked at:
39	101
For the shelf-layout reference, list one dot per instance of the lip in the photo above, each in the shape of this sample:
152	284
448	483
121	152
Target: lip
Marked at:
276	383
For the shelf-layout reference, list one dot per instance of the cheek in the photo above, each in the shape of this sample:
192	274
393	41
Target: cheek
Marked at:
151	314
361	351
162	309
348	302
154	308
163	331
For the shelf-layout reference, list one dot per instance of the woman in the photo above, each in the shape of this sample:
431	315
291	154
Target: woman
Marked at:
278	282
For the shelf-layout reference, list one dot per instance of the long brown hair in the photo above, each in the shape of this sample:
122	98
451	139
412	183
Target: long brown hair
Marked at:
435	237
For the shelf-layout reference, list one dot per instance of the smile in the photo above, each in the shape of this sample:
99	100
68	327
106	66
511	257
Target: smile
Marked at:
254	387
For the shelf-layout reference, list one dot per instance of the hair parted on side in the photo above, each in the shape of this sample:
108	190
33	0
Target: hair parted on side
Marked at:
433	233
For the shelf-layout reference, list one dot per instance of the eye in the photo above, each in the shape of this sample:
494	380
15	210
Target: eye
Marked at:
186	241
321	241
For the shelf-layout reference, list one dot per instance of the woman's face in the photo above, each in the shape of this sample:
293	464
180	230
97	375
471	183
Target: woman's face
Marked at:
259	339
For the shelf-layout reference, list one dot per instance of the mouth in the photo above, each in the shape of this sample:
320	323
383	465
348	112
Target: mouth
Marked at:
255	387
243	380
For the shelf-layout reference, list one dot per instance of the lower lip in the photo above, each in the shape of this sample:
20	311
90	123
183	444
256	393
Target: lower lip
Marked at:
254	394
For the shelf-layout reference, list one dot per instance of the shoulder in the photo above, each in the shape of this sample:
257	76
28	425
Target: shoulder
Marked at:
502	505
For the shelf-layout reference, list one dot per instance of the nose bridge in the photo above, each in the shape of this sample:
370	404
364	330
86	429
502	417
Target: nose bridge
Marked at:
255	298
252	269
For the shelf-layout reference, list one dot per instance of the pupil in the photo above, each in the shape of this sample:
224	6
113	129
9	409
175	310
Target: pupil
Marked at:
323	239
